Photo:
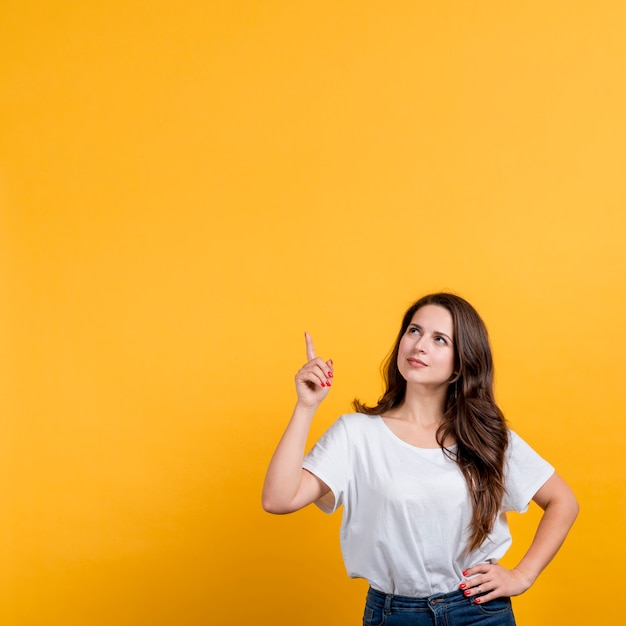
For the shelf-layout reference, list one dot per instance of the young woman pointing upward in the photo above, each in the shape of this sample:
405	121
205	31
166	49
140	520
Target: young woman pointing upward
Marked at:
425	477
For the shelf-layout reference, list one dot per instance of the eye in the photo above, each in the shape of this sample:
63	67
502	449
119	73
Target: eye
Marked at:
441	341
412	330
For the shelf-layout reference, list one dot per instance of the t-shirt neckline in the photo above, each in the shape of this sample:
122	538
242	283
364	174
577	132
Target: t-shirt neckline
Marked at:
410	445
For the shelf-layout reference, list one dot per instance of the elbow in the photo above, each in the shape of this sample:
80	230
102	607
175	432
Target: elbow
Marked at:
273	506
575	508
560	500
571	505
270	507
274	510
569	508
572	513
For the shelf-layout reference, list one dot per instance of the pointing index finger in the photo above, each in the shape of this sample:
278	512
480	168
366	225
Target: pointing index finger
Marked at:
310	350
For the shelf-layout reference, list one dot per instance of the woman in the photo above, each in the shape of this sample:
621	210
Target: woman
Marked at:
425	477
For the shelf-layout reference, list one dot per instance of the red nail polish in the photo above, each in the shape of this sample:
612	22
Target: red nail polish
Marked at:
323	384
462	586
467	592
464	573
477	601
330	374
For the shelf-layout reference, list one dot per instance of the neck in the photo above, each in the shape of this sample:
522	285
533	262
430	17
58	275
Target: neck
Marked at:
424	407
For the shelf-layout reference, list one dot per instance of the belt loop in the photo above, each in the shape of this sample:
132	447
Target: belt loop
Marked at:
387	609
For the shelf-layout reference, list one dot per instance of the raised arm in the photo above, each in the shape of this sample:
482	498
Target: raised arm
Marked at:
288	487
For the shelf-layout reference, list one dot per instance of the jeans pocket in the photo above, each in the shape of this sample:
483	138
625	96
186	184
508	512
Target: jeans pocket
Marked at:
373	615
499	606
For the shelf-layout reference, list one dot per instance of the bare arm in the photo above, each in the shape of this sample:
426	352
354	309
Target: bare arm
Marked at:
560	511
288	487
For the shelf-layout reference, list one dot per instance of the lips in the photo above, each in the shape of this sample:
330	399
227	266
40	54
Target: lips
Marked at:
416	363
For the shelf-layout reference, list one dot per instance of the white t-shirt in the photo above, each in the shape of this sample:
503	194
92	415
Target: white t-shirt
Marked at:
407	510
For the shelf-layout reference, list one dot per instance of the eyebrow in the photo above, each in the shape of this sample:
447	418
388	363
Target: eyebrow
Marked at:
435	332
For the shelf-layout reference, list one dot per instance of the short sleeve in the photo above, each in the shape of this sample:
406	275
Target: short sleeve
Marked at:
526	473
329	461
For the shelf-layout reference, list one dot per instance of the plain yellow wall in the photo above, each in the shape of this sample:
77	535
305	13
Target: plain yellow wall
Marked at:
186	187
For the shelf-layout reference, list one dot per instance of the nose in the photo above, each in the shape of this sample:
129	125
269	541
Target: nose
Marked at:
420	344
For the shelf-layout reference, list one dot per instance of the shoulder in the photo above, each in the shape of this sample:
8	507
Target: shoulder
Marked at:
517	444
521	453
348	433
527	471
353	427
359	421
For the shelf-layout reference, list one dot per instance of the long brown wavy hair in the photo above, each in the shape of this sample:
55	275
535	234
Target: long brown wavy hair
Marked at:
471	416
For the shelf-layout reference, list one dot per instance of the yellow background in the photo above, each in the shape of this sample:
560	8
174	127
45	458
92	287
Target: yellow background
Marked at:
186	187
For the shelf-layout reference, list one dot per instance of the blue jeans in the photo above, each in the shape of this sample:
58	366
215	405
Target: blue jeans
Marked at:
441	609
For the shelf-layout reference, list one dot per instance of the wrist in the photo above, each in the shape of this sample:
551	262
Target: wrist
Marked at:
304	410
526	575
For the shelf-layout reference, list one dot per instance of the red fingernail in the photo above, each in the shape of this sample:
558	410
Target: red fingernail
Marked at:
477	600
330	374
467	592
328	384
462	586
323	384
464	573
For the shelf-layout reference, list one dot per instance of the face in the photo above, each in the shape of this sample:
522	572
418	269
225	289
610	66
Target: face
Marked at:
426	350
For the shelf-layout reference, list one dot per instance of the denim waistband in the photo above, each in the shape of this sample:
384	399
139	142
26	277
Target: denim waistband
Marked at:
391	601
